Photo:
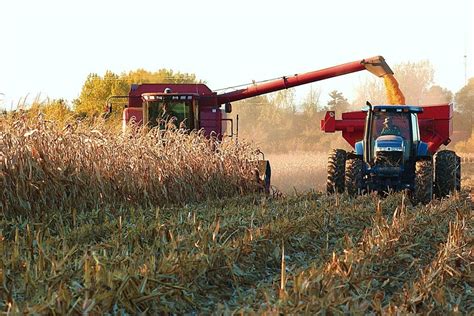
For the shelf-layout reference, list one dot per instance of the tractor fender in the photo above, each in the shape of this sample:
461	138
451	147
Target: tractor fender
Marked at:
359	148
422	150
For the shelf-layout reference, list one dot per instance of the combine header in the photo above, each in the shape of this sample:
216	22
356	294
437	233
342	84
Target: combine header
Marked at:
195	106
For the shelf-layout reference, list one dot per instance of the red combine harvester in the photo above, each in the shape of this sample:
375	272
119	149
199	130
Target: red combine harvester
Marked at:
396	148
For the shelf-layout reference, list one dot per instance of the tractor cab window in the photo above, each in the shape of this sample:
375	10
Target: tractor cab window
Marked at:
386	125
168	109
391	123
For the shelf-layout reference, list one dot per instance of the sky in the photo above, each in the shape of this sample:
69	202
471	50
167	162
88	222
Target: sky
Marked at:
48	47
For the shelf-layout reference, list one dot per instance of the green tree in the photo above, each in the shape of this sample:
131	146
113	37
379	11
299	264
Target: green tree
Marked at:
311	103
96	90
54	110
436	95
415	79
464	106
337	102
464	99
371	89
284	99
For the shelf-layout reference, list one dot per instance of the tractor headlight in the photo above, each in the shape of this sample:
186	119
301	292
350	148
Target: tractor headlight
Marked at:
389	143
389	148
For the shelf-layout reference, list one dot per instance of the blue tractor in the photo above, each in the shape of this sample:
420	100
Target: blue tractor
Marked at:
392	153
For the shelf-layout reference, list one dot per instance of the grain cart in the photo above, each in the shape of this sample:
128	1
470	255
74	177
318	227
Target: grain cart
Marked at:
405	157
195	106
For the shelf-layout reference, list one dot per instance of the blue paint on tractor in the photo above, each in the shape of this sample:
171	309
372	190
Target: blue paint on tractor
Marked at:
359	148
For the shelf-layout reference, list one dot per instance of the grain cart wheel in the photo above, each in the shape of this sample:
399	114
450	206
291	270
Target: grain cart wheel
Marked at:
458	174
423	181
354	176
336	171
446	172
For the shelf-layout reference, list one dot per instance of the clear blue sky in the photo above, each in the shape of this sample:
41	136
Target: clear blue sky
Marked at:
49	47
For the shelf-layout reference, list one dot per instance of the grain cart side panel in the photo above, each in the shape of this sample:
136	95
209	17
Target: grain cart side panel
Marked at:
436	125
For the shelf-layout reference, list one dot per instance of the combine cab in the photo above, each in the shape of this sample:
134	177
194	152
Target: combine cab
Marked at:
396	148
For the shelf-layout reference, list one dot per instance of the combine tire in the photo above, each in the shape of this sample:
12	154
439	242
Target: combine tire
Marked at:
354	176
423	182
336	171
447	173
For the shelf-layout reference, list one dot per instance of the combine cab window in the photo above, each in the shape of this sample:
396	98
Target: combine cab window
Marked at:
159	112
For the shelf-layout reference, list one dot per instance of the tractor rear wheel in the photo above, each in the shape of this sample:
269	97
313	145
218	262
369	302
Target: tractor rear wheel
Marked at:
423	181
354	176
447	173
336	171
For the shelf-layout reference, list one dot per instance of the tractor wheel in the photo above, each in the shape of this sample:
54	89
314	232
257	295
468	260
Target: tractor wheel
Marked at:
336	171
423	181
447	173
354	176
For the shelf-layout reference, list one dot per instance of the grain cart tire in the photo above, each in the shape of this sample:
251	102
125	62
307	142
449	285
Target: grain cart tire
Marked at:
458	174
336	170
354	176
446	175
423	192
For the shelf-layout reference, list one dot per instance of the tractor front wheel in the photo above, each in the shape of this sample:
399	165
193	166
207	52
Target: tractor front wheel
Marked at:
336	171
423	182
447	173
354	176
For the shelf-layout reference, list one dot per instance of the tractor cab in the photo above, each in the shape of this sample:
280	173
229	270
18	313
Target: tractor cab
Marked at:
392	134
391	146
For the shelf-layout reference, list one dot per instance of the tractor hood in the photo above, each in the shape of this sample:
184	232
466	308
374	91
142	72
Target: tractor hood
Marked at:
389	143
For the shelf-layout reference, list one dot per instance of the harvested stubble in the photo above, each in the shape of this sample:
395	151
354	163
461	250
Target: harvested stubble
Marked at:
340	254
45	167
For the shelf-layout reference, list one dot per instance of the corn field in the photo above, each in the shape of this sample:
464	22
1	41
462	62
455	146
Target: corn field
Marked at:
87	227
81	167
305	254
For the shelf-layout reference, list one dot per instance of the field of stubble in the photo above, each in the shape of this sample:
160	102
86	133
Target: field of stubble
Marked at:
88	226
